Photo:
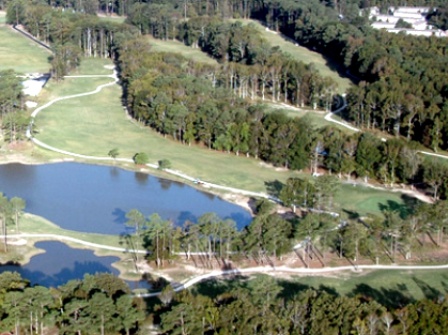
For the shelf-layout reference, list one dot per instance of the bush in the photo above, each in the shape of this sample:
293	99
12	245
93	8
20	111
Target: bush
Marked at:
140	158
164	164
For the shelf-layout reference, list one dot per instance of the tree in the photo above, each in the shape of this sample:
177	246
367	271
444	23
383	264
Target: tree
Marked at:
113	153
137	221
66	58
164	164
18	205
5	212
434	173
140	158
128	313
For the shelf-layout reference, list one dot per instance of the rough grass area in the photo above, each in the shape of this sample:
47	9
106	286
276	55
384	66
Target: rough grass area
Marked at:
325	67
178	47
21	54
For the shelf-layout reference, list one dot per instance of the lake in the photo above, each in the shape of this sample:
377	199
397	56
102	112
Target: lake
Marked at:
48	270
95	199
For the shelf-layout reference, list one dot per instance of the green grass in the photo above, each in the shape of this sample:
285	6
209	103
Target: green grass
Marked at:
178	47
391	288
316	117
21	54
95	124
37	225
302	54
388	287
364	200
114	18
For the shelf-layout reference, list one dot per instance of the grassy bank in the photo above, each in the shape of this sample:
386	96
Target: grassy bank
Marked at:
390	288
95	124
21	54
178	47
324	66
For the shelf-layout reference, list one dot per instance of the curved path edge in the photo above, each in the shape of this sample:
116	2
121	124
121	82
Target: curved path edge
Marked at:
284	269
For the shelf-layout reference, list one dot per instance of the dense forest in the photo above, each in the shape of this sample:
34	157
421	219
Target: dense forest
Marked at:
98	304
101	304
402	88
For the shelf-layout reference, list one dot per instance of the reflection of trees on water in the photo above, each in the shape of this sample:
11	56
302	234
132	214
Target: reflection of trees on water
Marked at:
165	184
114	171
141	178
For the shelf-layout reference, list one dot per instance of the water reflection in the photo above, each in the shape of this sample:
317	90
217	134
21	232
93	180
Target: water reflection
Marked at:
95	199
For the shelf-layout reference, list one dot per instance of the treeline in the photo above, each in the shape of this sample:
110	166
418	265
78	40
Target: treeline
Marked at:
190	103
402	77
319	234
98	304
14	120
91	7
70	35
263	306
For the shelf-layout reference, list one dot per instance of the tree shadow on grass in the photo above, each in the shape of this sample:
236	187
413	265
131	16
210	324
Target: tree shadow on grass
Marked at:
274	187
214	287
390	298
428	291
392	206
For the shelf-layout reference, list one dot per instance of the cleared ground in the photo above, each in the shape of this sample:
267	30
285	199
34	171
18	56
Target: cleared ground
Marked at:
19	53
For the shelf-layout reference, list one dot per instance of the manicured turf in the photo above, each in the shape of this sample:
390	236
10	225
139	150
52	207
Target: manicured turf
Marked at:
316	117
302	54
178	47
21	54
95	124
365	200
391	288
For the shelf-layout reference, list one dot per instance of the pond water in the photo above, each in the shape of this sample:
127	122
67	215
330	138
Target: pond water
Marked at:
92	198
48	270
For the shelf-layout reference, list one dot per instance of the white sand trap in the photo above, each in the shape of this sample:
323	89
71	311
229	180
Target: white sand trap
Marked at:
30	104
20	241
33	86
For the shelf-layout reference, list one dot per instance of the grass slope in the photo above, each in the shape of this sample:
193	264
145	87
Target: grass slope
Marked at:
95	124
392	289
325	67
21	54
178	47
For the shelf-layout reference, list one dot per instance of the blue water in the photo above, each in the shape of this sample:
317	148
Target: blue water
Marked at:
92	198
61	263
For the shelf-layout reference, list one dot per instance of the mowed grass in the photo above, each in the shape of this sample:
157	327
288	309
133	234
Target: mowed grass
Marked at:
316	117
21	54
389	287
95	124
178	47
303	54
355	198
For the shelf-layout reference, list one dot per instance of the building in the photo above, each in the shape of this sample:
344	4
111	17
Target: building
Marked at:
415	16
